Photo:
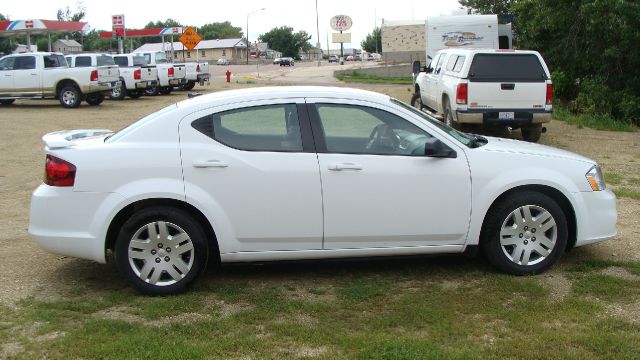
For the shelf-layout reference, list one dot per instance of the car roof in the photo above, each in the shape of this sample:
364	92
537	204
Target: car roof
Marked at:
280	92
486	51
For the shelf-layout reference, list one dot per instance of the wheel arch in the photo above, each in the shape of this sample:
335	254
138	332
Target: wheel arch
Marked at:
64	82
549	191
121	217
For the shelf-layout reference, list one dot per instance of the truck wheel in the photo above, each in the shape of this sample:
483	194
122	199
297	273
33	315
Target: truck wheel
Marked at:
119	92
134	94
416	101
94	99
7	101
166	90
189	86
152	91
448	115
70	97
532	133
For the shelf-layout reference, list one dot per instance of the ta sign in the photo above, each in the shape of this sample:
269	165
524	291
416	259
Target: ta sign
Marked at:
341	23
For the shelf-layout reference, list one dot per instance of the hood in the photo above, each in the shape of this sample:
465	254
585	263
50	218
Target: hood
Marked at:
523	147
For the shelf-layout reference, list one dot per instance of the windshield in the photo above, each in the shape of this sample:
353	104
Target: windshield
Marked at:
161	58
459	136
131	128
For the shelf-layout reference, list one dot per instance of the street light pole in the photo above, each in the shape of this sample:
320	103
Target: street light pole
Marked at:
318	34
248	44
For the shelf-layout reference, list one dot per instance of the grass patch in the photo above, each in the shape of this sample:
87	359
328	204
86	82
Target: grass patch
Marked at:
595	121
395	309
626	192
357	77
613	178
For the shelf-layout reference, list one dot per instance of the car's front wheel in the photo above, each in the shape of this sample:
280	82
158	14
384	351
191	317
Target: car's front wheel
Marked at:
161	250
525	233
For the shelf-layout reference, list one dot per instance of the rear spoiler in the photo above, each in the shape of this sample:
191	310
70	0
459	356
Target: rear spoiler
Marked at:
65	138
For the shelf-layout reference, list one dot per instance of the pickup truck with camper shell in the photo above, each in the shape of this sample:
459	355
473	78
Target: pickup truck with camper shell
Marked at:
169	75
42	75
486	88
136	74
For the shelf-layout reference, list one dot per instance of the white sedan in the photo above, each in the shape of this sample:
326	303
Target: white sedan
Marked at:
308	173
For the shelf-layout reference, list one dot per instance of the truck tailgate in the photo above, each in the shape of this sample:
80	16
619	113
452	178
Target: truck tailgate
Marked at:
108	73
149	73
180	71
507	95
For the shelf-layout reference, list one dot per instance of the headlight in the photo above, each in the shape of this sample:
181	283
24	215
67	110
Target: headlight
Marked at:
595	178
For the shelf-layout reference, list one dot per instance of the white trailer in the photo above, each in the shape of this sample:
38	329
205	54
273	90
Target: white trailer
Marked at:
461	31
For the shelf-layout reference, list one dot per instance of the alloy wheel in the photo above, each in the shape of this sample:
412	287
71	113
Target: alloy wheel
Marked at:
528	235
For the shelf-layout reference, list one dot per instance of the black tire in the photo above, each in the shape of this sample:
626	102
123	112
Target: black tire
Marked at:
135	94
7	101
120	92
447	116
70	96
189	85
497	248
166	90
94	99
152	91
532	133
416	101
176	221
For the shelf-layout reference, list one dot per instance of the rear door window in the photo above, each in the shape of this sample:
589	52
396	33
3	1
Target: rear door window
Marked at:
506	67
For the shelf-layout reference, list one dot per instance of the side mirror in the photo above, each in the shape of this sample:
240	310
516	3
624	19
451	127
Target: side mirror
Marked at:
416	66
428	70
436	148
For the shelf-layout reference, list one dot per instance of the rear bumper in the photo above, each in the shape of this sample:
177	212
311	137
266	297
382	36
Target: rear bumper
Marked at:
66	222
490	116
596	216
146	84
100	87
203	77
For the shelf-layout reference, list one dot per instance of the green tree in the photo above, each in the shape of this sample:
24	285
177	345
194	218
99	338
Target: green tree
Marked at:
162	24
373	41
5	44
283	39
498	7
220	30
66	14
588	45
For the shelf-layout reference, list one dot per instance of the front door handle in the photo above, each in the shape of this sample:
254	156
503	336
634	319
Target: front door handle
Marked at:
345	166
209	164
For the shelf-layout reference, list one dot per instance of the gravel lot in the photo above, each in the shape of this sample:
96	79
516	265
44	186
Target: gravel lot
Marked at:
28	271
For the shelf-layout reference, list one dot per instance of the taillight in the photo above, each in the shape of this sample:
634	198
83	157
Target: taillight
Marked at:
94	75
58	172
549	94
198	68
170	72
137	74
461	94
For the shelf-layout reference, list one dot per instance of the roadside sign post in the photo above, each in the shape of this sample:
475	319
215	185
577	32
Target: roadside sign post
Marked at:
341	23
117	26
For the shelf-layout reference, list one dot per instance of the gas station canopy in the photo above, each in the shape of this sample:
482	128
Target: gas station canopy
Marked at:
146	32
39	27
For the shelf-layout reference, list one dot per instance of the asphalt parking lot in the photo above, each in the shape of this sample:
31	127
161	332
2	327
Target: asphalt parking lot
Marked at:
27	272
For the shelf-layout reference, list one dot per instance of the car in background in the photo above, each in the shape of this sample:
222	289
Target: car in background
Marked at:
333	58
277	61
293	173
286	61
222	61
349	58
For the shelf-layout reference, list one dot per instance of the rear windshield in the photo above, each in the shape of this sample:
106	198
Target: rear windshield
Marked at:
506	67
139	61
105	60
121	60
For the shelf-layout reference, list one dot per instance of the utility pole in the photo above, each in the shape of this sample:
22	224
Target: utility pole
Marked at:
248	44
318	34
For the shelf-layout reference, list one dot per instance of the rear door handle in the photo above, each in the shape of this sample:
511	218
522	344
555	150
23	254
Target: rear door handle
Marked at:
345	166
209	164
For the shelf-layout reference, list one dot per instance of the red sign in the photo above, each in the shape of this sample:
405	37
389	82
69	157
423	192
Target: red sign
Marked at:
117	21
28	24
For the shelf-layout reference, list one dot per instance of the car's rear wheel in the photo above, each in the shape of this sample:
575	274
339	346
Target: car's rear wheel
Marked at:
166	90
525	233
161	250
152	90
189	85
70	97
134	94
119	92
448	115
416	101
532	133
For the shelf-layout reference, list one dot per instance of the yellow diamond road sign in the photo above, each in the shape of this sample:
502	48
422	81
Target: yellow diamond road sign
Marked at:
190	38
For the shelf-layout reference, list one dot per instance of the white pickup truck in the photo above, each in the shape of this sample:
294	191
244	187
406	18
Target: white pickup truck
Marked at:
137	76
43	75
197	72
169	75
487	88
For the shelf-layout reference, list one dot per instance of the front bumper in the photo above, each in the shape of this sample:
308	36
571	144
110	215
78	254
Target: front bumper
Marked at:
490	116
72	223
596	216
